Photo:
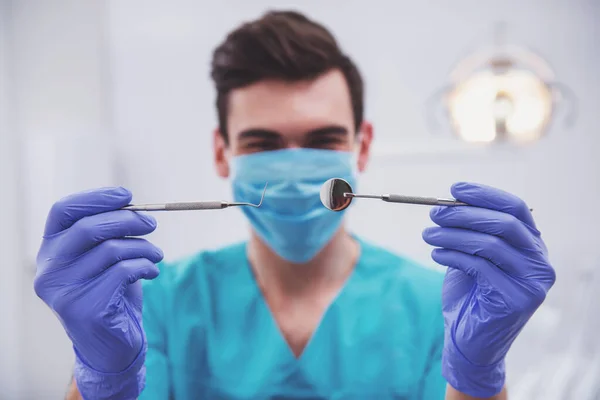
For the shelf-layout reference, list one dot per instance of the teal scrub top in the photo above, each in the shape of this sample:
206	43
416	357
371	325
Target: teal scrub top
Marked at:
211	334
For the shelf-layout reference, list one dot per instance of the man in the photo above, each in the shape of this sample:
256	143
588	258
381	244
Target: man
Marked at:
304	310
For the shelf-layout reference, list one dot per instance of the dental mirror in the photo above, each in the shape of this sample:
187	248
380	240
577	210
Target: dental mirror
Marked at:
333	194
336	195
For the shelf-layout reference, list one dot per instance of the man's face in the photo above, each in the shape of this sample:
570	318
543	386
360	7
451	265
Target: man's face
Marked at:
273	115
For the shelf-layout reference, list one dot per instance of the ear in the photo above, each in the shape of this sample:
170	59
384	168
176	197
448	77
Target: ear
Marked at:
364	152
220	157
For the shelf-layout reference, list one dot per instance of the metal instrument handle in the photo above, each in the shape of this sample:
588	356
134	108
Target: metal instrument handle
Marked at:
202	205
429	201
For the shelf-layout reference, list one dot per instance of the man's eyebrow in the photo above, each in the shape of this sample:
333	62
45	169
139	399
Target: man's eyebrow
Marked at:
259	134
332	130
262	133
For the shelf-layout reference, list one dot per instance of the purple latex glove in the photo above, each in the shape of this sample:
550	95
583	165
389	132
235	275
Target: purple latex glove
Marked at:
88	271
498	275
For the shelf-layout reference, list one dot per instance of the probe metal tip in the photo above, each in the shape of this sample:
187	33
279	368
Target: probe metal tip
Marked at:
263	196
250	204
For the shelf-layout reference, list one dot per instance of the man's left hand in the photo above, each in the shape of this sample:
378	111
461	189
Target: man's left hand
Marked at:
498	275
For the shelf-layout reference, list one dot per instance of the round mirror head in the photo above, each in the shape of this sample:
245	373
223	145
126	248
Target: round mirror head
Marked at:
332	194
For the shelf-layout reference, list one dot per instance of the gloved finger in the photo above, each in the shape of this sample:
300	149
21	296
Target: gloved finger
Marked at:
495	199
492	248
483	271
90	231
457	284
488	221
67	211
127	272
113	251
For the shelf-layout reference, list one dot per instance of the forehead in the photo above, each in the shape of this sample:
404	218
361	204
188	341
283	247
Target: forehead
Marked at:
291	107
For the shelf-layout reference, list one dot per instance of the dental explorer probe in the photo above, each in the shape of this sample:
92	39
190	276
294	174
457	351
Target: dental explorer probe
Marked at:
336	195
190	206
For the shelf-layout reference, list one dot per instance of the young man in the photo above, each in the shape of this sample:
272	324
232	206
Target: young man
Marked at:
304	309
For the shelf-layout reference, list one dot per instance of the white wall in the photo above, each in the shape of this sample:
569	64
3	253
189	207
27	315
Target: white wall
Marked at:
132	76
10	303
60	95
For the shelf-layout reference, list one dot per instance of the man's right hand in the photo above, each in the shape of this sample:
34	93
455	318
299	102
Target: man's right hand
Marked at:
88	271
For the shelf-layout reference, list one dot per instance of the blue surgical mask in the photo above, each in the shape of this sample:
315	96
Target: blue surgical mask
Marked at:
291	221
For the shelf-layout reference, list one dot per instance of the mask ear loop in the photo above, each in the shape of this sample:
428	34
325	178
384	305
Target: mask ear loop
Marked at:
356	153
232	164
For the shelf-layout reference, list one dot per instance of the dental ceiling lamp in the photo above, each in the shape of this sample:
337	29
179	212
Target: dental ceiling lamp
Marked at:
504	93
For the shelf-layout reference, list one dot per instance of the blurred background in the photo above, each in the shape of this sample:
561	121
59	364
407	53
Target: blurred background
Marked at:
96	93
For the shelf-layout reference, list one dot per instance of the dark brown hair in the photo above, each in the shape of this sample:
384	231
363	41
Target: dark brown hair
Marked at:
283	45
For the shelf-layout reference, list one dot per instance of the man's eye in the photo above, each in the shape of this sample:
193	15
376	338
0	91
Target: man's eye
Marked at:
325	143
262	146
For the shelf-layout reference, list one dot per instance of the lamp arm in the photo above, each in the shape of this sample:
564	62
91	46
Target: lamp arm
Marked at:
435	108
562	93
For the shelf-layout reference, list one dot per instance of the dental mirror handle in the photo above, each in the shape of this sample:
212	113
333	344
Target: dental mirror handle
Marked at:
429	201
